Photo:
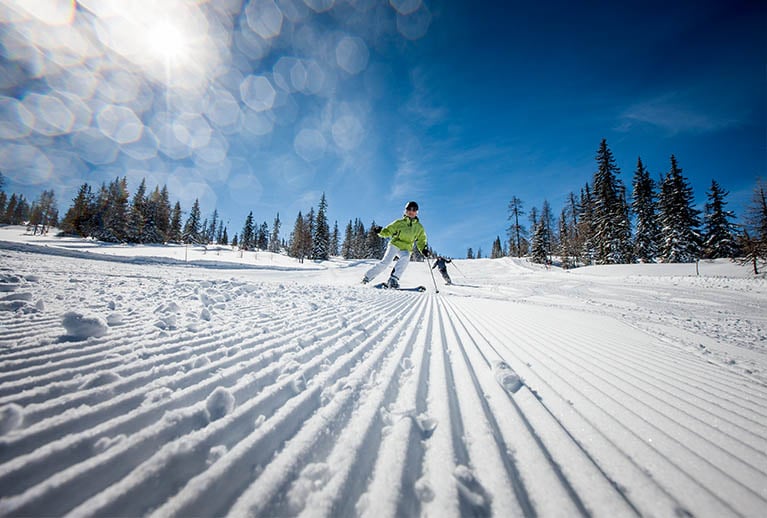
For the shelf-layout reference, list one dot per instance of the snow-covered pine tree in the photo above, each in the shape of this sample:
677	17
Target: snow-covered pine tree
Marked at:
612	228
274	239
359	239
517	233
470	253
566	247
678	219
321	236
174	231
310	221
191	232
644	206
539	246
719	233
247	236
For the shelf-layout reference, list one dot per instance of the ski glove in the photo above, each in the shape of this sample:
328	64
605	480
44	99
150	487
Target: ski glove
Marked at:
377	228
426	252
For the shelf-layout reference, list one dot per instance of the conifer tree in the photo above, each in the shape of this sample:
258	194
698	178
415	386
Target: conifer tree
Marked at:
224	240
516	231
78	219
247	236
347	246
610	215
374	244
334	240
162	201
138	214
497	250
567	249
644	206
470	253
540	244
300	242
679	221
210	231
174	231
262	243
274	239
321	235
191	232
43	213
719	230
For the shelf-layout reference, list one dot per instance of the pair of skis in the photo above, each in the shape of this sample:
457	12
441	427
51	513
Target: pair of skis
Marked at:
384	286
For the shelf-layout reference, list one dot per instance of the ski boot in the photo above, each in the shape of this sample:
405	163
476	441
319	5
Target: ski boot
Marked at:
393	282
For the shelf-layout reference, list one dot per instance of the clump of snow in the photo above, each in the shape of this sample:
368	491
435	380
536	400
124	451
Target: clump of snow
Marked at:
156	395
506	376
81	327
219	403
426	425
313	477
215	453
261	419
11	417
99	380
205	314
115	319
104	443
200	361
423	490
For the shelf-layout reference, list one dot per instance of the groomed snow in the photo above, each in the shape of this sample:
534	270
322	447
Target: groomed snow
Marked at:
174	381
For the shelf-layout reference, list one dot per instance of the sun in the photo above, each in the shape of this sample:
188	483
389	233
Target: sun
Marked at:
167	41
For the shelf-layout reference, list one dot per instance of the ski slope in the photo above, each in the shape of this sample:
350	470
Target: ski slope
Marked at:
134	383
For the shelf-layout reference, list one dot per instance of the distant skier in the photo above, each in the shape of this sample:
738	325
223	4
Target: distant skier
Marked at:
441	265
404	232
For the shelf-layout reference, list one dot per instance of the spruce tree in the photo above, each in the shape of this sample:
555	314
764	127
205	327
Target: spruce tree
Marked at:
138	214
321	235
274	239
247	236
719	231
497	250
679	221
174	231
753	241
191	232
299	241
78	219
540	243
348	244
516	231
644	206
585	244
374	244
566	240
610	215
470	253
334	240
262	243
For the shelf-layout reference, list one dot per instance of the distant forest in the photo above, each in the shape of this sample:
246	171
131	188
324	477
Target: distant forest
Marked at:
600	225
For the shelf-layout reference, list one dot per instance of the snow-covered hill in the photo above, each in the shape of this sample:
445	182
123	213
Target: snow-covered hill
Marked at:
186	382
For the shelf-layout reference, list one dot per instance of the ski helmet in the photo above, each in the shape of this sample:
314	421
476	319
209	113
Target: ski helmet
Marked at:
411	205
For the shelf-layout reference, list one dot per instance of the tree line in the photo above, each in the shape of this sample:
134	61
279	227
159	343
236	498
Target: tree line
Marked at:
595	227
38	215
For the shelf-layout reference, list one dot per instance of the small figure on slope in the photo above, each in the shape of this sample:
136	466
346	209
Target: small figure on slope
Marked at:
441	265
404	232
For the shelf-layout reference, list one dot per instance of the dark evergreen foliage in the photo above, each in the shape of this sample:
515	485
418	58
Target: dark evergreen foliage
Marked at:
609	211
321	233
644	205
719	234
679	221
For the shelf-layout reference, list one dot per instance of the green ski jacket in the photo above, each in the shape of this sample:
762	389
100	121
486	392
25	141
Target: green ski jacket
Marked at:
404	232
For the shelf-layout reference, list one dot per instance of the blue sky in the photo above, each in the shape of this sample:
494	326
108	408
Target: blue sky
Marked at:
265	105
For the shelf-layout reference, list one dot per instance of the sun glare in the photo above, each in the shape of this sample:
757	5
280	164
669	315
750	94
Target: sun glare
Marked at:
167	41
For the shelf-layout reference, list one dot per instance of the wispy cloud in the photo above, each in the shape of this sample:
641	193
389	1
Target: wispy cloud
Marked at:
675	113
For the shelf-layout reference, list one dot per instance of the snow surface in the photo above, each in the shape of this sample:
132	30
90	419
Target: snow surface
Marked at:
168	381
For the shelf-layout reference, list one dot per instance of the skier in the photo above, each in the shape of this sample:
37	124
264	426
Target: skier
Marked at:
404	232
441	265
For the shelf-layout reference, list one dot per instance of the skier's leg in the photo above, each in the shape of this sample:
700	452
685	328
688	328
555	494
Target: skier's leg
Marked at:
402	262
391	251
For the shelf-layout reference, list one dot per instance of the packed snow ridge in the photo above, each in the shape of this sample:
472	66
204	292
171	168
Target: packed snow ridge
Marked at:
172	382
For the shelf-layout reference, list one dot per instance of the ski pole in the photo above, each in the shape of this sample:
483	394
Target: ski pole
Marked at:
432	275
459	271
